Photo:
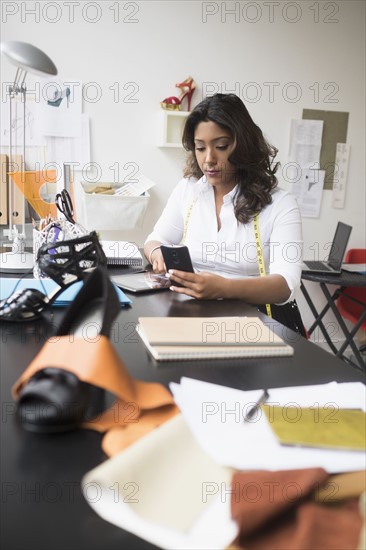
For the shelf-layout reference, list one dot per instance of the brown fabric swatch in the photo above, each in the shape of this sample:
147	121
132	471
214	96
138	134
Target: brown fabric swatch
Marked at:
276	511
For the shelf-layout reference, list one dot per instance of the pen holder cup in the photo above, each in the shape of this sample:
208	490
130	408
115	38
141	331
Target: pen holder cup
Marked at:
56	231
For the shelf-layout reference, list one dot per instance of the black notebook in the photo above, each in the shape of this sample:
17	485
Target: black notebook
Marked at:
122	253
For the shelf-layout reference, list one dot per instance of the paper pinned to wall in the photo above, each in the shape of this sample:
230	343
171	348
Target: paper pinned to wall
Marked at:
71	150
61	107
334	131
308	190
305	142
33	133
340	175
303	172
57	131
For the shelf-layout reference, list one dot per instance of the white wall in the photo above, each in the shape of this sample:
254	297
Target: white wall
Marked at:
302	47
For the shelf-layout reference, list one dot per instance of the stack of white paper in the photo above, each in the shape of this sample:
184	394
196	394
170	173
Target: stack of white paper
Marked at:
215	416
173	487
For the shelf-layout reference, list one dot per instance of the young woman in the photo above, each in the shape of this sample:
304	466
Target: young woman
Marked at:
230	193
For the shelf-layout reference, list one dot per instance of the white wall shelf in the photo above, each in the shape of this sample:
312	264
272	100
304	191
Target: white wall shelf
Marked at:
171	127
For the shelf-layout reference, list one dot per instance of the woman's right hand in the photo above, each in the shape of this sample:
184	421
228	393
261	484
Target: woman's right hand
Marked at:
157	262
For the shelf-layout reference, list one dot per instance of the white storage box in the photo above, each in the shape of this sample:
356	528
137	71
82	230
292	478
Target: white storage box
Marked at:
109	212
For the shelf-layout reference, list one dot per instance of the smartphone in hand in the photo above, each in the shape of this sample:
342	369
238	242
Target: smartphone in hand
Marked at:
177	257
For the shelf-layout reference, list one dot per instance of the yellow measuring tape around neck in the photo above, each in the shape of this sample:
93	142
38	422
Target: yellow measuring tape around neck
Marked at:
262	269
188	215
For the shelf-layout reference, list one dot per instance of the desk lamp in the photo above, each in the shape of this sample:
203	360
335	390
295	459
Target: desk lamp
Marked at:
27	58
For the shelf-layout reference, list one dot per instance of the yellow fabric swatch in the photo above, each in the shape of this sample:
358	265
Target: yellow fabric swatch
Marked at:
328	427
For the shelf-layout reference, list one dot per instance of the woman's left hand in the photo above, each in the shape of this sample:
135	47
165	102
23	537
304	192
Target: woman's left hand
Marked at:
199	285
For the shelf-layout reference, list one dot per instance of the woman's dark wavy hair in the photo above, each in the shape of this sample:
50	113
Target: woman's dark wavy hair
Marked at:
253	156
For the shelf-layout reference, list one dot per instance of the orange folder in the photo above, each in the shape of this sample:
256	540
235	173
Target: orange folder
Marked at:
30	183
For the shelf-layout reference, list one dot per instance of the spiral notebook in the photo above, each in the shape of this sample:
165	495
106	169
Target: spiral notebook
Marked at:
181	338
122	253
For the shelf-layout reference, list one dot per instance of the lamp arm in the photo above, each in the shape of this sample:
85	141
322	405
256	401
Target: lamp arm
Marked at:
19	80
12	93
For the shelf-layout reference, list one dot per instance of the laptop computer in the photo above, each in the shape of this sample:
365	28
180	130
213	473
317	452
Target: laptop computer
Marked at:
141	282
337	252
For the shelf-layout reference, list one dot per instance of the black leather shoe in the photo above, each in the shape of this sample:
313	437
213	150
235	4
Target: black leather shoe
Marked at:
54	399
65	262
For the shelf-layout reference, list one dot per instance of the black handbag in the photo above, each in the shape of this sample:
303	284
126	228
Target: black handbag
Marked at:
288	315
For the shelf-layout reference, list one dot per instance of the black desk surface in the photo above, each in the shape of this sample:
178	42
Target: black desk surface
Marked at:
42	505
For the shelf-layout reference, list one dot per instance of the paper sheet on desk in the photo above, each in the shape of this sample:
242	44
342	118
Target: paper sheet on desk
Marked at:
215	416
164	489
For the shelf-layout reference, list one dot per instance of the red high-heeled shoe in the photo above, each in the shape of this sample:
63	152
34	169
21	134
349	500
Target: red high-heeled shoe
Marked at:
174	103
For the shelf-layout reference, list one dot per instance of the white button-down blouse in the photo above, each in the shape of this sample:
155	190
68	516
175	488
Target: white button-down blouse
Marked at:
189	217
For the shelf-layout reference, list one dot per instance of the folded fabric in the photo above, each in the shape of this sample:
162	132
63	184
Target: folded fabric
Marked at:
139	407
117	439
277	511
48	286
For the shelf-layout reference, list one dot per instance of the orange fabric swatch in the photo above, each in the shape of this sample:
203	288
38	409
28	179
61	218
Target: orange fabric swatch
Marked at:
139	407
